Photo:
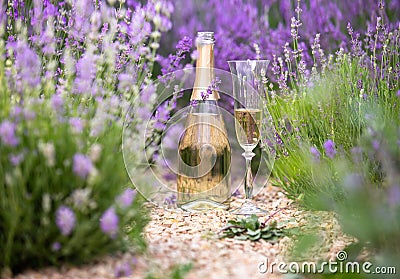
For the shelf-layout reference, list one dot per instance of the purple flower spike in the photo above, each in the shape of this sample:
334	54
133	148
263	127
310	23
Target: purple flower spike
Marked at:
170	200
236	193
82	165
56	246
330	149
123	270
375	145
184	45
162	113
57	102
126	198
109	222
7	133
315	153
65	219
394	195
28	64
76	125
16	159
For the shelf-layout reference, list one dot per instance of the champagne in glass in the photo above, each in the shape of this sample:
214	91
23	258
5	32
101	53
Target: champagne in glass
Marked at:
248	93
247	127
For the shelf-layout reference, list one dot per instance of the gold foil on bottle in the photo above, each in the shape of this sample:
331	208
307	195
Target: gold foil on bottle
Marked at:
204	73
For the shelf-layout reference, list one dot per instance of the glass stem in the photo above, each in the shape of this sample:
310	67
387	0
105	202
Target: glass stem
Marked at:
248	180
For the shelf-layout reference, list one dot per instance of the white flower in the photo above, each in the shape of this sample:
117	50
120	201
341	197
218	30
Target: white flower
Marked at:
93	175
95	152
48	151
46	202
80	197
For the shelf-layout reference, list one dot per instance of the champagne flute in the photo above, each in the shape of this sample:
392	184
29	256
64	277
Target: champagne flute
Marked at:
248	93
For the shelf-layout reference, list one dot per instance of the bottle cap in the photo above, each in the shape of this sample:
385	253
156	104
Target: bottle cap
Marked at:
205	38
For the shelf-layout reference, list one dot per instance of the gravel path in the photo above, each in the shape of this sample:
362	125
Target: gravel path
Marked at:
177	237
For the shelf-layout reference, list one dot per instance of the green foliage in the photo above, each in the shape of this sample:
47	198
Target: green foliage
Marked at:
334	103
351	100
178	272
39	175
33	190
249	228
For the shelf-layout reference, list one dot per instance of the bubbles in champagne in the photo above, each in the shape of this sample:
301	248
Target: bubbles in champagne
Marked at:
247	127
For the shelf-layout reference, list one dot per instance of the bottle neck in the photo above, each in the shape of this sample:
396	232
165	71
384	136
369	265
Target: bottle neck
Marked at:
204	72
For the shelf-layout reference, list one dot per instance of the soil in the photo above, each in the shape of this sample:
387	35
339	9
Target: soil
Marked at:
176	238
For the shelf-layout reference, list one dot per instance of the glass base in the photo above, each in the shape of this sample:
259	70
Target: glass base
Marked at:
203	205
248	208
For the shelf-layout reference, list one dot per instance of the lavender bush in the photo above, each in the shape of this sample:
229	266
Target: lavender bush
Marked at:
325	108
337	132
260	28
68	72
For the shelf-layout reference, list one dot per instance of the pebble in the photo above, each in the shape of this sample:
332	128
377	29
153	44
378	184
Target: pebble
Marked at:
175	237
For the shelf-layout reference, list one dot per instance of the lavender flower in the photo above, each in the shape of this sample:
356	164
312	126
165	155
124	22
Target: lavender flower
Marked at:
7	133
393	195
126	198
29	115
169	176
126	81
27	64
194	103
85	73
161	116
170	200
375	145
315	153
360	84
172	63
143	113
65	219
16	113
82	165
123	270
56	246
109	222
330	149
236	193
147	93
57	102
162	113
15	160
204	95
76	125
184	45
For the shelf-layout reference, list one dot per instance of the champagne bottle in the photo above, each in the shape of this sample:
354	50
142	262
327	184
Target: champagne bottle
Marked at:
203	181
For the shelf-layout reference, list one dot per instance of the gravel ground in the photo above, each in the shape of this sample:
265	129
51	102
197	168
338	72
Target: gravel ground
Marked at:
176	237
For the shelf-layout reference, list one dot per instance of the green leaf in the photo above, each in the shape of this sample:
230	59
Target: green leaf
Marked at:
254	238
253	233
241	237
267	235
252	222
249	228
